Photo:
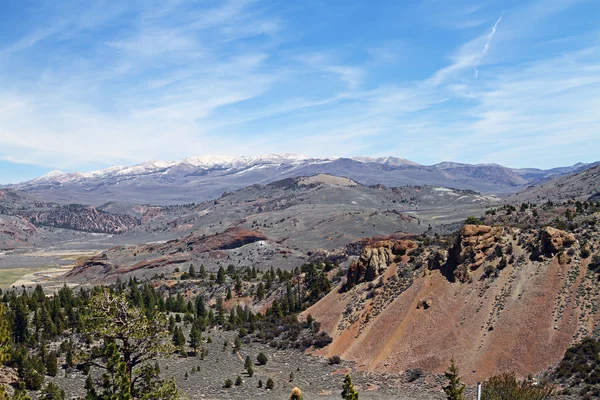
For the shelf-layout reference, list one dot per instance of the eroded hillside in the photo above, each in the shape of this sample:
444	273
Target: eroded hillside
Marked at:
495	297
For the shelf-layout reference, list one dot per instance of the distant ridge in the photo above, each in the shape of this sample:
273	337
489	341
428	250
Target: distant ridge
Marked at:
201	178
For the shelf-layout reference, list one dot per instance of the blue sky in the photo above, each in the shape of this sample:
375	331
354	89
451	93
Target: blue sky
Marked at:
85	85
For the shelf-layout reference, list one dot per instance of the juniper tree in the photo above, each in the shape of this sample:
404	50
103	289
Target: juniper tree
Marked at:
124	340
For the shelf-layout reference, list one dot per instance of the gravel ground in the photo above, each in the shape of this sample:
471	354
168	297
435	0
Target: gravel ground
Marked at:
313	375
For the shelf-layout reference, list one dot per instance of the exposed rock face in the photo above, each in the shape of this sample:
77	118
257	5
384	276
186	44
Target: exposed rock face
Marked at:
473	244
437	259
375	258
554	240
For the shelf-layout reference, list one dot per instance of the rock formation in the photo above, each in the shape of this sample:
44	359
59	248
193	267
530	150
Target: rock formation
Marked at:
375	258
473	244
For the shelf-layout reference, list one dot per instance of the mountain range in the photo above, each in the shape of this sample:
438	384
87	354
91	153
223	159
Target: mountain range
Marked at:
196	179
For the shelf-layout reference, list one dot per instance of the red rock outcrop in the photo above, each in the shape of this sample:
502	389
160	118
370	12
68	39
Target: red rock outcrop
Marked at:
473	244
554	240
375	258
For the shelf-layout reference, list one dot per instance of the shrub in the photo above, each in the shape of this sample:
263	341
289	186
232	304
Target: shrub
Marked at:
270	384
506	386
238	381
473	221
594	265
334	360
585	252
296	394
228	383
262	359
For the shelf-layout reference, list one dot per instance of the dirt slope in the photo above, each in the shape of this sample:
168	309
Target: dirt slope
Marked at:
506	312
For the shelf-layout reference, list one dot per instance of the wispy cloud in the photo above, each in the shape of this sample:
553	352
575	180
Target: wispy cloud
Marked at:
165	80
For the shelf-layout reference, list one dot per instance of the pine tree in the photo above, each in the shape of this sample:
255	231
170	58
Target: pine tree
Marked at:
52	392
238	285
51	364
4	335
221	276
348	391
195	338
200	307
454	390
238	381
260	291
178	338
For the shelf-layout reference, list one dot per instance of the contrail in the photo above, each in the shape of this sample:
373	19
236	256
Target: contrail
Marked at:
486	46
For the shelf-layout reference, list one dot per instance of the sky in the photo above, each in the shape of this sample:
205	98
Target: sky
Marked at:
86	85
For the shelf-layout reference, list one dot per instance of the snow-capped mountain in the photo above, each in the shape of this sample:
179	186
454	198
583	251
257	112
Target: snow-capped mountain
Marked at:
201	178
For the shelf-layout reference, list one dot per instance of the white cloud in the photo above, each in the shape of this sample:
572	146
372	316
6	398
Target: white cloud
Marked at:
173	84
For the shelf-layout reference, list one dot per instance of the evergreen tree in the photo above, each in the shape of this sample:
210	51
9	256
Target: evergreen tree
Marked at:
454	390
125	339
52	392
260	291
178	338
51	364
195	338
4	335
200	307
238	285
221	276
348	391
20	321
